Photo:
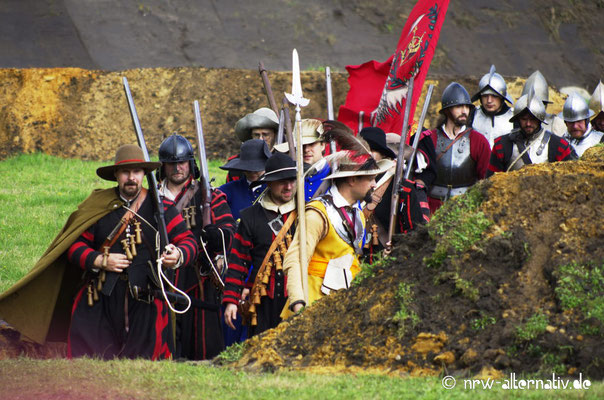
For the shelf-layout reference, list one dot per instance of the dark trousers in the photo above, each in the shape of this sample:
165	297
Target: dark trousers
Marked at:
268	313
199	331
119	326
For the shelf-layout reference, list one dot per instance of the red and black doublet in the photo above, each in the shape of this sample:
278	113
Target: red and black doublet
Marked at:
118	324
252	241
199	332
558	149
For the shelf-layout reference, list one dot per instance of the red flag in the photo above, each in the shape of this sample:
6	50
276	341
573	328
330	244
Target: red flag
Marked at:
380	89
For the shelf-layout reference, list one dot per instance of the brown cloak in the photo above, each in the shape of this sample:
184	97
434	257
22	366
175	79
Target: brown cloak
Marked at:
39	304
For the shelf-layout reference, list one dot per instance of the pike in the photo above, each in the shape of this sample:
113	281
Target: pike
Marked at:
296	98
330	116
419	131
206	194
399	166
267	88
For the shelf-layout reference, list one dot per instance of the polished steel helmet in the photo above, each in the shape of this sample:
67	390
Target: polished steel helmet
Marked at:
492	83
596	102
455	95
575	109
532	103
537	81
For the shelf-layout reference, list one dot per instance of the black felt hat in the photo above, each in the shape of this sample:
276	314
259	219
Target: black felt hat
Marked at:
252	157
280	166
376	138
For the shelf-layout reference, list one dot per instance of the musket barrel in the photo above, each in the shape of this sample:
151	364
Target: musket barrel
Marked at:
267	87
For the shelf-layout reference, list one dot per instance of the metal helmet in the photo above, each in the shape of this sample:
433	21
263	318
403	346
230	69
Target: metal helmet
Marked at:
176	148
492	83
538	82
455	95
596	102
532	103
575	109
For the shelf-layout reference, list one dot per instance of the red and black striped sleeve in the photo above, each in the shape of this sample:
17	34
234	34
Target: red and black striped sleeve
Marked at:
480	151
82	252
240	261
497	160
565	151
222	217
178	234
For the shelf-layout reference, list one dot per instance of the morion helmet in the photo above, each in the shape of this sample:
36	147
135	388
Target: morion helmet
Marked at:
532	103
596	102
538	82
492	83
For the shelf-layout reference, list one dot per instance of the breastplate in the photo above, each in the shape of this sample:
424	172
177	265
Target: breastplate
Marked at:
537	152
491	127
590	139
455	168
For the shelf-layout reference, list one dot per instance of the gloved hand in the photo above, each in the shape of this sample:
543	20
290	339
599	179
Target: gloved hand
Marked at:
212	237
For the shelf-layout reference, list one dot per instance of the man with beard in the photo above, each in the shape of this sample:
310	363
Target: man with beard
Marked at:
334	223
531	143
261	124
492	118
259	226
199	331
462	154
536	81
313	148
576	115
117	313
596	103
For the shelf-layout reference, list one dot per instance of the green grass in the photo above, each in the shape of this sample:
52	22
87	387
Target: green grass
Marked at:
457	225
580	287
532	328
137	379
405	317
39	193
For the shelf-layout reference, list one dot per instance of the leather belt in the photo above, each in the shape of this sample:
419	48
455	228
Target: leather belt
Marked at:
446	192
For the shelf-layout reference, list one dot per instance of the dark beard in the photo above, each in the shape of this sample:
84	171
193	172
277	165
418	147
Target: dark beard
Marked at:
368	199
175	181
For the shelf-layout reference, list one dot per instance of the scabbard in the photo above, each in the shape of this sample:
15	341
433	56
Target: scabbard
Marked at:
110	281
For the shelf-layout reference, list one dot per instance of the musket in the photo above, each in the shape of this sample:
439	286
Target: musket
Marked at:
267	88
330	116
296	98
152	182
399	166
288	129
206	194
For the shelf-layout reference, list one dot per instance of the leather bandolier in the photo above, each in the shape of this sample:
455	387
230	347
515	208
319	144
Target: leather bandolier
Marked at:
456	170
536	153
136	240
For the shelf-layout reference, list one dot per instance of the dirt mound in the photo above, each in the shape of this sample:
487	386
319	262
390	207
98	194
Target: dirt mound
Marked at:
72	112
508	277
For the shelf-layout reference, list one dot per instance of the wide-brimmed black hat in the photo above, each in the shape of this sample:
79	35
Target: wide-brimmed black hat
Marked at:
252	157
376	138
278	167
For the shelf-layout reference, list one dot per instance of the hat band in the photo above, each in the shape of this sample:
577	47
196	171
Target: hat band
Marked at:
132	160
279	170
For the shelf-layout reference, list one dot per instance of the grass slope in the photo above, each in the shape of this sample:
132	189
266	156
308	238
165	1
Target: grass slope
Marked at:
38	195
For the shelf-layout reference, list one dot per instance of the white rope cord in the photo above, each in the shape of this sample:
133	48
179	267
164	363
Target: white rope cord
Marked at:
160	273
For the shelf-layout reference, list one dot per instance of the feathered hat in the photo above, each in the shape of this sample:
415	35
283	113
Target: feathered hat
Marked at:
354	157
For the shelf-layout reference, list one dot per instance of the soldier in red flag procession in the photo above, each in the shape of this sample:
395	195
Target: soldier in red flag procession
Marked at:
462	153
